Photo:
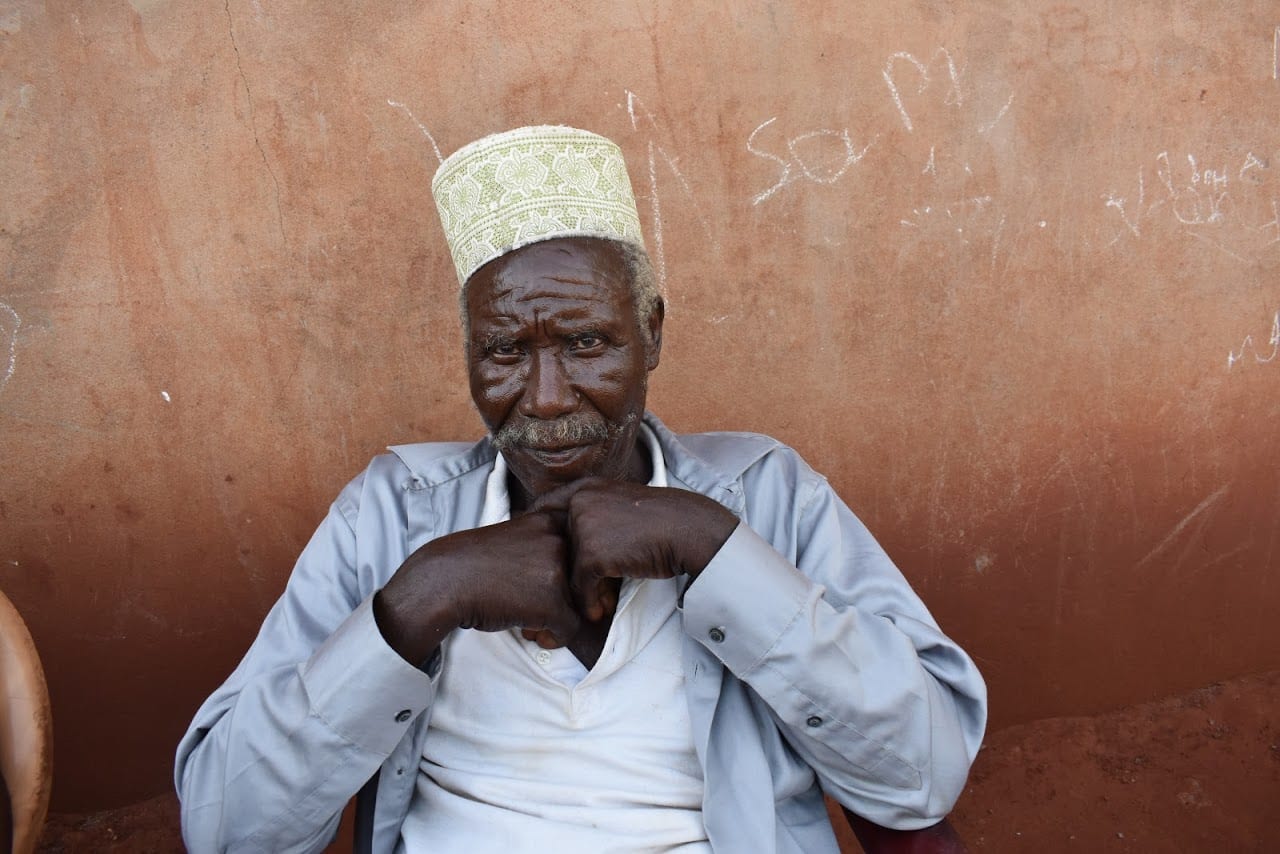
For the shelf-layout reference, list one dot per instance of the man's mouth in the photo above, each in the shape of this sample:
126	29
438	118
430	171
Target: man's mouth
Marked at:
555	453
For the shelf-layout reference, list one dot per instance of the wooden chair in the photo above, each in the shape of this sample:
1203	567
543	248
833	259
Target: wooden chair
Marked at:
26	765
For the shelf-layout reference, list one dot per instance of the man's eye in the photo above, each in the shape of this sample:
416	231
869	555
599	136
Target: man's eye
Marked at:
505	350
586	342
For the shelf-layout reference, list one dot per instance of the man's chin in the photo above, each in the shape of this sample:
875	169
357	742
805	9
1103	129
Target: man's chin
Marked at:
544	469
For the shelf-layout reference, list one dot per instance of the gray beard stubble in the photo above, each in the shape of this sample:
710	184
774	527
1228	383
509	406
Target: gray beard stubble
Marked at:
577	429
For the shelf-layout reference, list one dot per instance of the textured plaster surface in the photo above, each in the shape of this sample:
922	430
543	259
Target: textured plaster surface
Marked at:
1006	273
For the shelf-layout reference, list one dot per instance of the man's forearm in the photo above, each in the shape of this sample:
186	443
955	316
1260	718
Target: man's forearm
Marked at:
270	763
316	704
884	707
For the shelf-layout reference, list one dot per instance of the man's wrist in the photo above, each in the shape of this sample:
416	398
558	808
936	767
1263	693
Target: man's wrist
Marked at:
707	529
415	638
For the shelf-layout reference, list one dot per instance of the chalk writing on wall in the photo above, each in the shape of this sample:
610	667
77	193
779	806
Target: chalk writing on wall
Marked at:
825	155
423	128
820	164
1200	513
1224	201
1260	355
964	116
954	96
10	323
640	115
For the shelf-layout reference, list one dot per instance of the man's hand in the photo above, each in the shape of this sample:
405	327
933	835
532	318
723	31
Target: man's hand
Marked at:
511	574
626	530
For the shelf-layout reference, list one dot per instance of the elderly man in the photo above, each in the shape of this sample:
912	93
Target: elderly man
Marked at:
584	633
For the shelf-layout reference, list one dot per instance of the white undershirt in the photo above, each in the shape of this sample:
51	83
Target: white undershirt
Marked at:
528	751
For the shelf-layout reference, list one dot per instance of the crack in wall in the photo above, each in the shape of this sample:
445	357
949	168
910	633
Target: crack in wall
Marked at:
253	123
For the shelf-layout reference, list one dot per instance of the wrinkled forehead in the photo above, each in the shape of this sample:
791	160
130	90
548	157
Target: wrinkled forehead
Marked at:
582	270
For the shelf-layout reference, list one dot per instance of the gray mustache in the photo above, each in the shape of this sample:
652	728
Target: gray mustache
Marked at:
577	429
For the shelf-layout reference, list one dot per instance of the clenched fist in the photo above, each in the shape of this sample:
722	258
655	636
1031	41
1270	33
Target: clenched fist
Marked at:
501	576
626	530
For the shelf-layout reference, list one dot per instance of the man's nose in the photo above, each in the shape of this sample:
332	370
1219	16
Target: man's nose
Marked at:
548	393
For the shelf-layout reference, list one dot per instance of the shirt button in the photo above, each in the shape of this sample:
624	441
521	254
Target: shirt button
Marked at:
403	715
544	657
814	721
716	634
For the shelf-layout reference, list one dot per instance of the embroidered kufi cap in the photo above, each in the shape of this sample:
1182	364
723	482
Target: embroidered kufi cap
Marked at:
521	186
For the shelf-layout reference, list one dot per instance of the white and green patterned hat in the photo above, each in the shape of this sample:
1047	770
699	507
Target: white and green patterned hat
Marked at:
530	184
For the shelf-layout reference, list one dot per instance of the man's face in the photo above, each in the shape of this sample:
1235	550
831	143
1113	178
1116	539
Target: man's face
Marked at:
558	362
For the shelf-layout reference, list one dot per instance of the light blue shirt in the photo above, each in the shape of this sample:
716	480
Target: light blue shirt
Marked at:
528	752
810	666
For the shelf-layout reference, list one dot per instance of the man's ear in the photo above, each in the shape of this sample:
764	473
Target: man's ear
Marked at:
653	335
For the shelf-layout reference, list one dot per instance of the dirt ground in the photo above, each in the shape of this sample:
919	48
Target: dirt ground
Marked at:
1195	772
1199	772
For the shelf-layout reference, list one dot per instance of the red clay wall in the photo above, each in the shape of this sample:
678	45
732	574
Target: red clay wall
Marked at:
1007	275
